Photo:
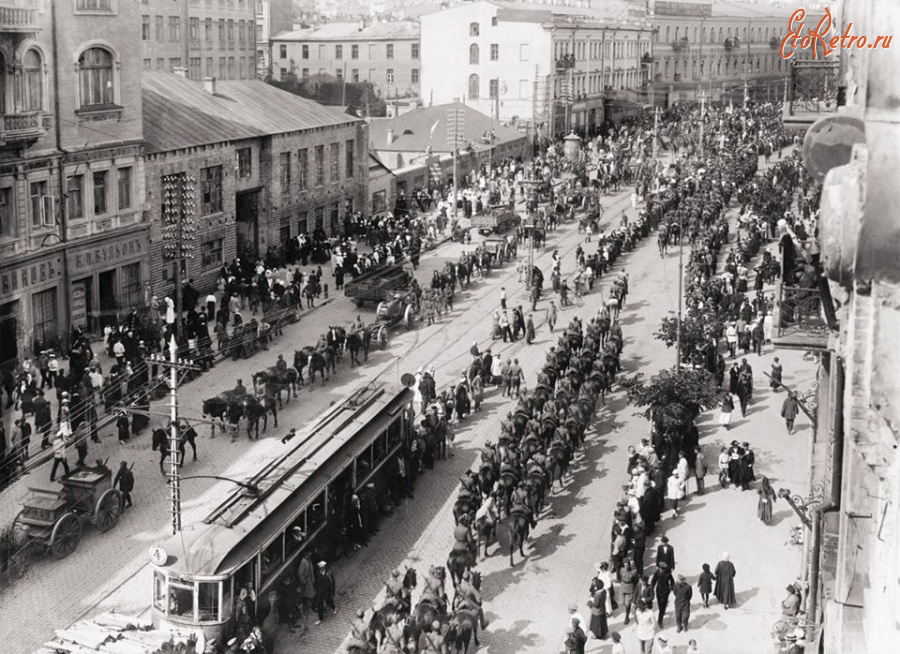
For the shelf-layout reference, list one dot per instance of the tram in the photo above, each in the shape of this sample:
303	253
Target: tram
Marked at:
296	503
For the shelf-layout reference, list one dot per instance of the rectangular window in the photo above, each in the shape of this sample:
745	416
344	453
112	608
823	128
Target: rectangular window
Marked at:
230	67
339	73
320	165
175	28
379	201
349	158
495	51
373	51
304	74
99	183
493	21
74	196
93	5
322	54
335	162
174	62
7	215
303	222
414	50
195	30
282	72
131	294
159	22
338	52
320	217
390	50
244	162
160	63
44	316
493	87
145	28
207	30
282	51
285	173
124	188
304	51
195	72
240	30
211	190
147	64
230	31
213	253
221	32
354	75
354	51
335	217
390	75
209	67
415	75
303	167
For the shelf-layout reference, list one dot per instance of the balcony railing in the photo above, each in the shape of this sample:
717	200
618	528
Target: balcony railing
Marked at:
27	126
731	43
681	44
803	317
565	62
814	87
17	19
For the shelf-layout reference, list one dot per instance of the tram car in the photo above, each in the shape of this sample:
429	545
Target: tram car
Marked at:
296	503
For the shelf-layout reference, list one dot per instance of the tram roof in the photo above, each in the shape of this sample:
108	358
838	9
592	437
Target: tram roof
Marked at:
245	521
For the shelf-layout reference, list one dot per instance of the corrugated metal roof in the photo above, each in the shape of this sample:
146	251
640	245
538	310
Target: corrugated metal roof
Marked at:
179	113
352	32
416	130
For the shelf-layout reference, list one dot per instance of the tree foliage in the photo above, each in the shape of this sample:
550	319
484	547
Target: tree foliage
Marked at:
333	92
673	400
697	331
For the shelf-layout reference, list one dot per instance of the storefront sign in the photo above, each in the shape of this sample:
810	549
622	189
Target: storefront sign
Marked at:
106	255
33	274
79	305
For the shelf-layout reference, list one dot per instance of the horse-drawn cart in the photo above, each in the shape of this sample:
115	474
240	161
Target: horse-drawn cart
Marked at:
498	248
497	220
372	285
52	519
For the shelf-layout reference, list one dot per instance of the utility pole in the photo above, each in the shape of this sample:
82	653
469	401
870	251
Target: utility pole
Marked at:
344	86
455	123
175	365
680	283
179	230
702	118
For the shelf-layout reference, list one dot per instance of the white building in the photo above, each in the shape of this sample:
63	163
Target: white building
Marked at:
272	17
541	64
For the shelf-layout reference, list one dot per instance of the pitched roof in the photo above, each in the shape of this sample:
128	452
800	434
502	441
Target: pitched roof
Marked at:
610	11
401	29
179	113
416	130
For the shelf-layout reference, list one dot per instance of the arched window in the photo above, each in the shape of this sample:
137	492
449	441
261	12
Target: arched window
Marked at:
474	29
693	69
668	33
727	67
33	71
719	67
703	36
473	87
695	33
2	84
720	35
667	68
677	29
702	67
96	76
473	53
744	34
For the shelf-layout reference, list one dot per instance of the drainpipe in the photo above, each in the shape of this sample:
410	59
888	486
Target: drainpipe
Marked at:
60	172
834	502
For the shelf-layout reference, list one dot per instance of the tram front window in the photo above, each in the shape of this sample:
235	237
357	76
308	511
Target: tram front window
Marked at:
181	599
208	601
159	591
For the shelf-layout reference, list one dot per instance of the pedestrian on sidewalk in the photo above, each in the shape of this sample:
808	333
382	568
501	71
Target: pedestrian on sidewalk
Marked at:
675	491
617	646
123	427
726	410
731	339
599	627
125	481
725	574
21	439
662	583
628	578
789	410
682	592
646	628
767	499
517	376
724	461
776	373
704	584
504	328
665	553
503	298
575	618
529	329
324	588
700	470
552	315
60	444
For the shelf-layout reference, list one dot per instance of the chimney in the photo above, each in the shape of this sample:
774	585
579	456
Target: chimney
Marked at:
209	84
181	71
390	136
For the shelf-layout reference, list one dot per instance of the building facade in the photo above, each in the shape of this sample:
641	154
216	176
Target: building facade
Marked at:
724	50
208	38
272	17
385	54
252	166
555	67
73	245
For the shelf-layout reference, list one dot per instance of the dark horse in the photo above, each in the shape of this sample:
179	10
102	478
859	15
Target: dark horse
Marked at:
359	340
393	609
519	523
160	443
317	362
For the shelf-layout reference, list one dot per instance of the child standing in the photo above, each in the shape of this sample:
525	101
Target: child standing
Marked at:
704	583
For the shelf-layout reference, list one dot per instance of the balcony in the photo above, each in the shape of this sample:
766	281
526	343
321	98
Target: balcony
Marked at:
23	127
565	62
804	315
17	19
681	44
732	43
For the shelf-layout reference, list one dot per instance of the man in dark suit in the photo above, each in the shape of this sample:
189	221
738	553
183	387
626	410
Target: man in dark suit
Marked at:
665	553
682	592
662	583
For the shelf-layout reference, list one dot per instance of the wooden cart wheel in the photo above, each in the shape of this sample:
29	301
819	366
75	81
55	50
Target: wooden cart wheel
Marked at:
109	509
408	317
66	533
378	309
382	336
19	531
359	302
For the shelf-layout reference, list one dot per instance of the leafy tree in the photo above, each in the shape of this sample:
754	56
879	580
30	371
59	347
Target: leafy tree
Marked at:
329	91
697	331
672	399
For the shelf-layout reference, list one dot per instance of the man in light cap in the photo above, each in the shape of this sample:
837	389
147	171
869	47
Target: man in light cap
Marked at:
575	618
232	647
663	645
682	592
324	587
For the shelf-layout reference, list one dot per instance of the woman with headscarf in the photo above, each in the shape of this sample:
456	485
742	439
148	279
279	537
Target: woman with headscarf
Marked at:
725	574
767	498
598	604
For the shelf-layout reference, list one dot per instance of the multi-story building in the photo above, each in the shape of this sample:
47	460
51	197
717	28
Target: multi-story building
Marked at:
73	247
853	515
553	66
727	50
256	166
272	17
208	38
385	54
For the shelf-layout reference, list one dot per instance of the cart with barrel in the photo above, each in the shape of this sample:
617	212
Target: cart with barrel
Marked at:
53	519
372	285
